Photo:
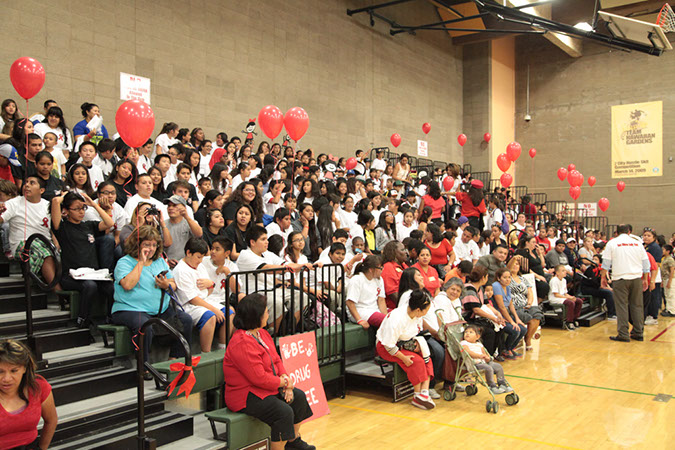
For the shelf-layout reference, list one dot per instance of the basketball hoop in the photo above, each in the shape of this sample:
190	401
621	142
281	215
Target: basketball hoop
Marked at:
666	19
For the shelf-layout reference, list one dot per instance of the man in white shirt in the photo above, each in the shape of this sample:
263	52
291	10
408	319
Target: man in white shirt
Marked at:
379	162
143	194
281	226
28	215
629	263
466	248
256	258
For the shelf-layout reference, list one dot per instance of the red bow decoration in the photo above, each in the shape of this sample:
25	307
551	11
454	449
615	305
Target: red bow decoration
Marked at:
189	383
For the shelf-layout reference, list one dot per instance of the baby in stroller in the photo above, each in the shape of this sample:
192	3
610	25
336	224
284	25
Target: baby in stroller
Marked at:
483	360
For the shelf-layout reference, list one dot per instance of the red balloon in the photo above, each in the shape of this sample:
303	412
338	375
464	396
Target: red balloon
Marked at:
296	122
27	76
395	139
621	186
533	152
426	127
503	162
487	137
562	174
575	178
135	122
350	163
506	179
448	183
461	139
271	121
571	167
591	181
603	204
513	151
575	192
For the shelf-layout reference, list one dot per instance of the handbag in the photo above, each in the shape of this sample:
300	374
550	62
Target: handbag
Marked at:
174	321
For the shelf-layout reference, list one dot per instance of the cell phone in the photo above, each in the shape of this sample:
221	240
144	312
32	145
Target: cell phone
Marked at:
163	273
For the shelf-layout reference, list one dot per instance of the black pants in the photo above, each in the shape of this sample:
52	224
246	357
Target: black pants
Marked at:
476	222
542	288
602	293
278	414
32	446
489	336
90	291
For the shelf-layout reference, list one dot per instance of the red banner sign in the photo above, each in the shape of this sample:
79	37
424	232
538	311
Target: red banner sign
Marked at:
298	352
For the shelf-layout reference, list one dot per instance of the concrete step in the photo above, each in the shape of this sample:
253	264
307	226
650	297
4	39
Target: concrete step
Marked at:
16	302
79	386
43	319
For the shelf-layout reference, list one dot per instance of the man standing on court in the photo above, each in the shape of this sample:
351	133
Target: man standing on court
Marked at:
628	260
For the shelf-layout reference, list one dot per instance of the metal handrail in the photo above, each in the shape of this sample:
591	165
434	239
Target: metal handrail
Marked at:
27	276
145	442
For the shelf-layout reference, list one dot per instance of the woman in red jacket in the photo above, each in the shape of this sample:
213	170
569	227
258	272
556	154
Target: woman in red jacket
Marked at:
473	203
256	382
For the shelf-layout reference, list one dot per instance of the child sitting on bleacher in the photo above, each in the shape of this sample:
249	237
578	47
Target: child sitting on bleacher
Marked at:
194	289
219	266
484	361
365	295
397	341
558	296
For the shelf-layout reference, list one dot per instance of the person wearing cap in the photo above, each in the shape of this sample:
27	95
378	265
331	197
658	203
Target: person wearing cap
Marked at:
462	223
627	259
571	251
472	203
181	227
8	158
379	162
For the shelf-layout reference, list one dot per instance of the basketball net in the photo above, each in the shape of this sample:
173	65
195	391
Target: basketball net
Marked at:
666	19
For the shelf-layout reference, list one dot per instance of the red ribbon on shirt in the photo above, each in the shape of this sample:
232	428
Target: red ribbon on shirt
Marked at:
189	383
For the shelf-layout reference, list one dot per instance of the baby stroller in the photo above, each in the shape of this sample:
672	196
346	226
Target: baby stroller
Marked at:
467	372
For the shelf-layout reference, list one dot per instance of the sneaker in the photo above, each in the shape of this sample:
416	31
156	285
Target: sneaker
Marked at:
667	313
576	324
570	326
496	390
515	353
434	394
505	387
299	444
459	388
499	358
508	355
651	321
611	318
423	402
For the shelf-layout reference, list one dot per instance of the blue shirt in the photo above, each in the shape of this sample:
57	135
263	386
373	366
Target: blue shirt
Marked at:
145	296
81	128
497	289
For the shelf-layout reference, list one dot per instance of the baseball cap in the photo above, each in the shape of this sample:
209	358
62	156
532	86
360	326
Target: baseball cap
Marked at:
462	220
176	200
477	184
350	172
571	240
9	152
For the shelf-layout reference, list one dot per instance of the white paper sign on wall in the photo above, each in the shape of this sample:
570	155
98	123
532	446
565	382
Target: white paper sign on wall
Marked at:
587	209
422	148
133	87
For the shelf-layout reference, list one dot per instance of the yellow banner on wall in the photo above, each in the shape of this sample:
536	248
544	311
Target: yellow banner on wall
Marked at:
637	140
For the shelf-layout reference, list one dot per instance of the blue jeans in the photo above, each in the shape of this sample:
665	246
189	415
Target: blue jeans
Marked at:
135	319
513	335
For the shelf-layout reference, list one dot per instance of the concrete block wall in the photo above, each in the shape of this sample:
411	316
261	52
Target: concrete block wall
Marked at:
214	64
570	104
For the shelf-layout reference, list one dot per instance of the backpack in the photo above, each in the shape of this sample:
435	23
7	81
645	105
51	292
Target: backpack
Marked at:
505	225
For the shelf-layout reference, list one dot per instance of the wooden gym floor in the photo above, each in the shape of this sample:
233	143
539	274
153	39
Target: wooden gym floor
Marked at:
578	390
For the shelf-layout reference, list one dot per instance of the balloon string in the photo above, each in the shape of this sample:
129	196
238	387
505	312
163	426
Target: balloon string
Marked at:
23	182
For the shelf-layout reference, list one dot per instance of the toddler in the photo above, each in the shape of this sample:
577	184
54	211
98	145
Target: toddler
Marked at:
483	360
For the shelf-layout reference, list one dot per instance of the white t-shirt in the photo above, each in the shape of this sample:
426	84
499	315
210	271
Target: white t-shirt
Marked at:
144	164
269	206
450	310
170	175
105	165
558	286
379	164
186	289
95	176
249	261
164	141
136	199
119	216
626	256
236	181
43	128
364	293
218	294
403	232
466	252
59	160
475	347
274	228
347	219
398	326
26	219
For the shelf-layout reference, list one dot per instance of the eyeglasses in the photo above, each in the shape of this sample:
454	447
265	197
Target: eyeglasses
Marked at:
379	267
248	190
108	192
298	240
82	208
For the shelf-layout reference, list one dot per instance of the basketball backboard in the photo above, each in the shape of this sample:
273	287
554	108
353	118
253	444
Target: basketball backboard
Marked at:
636	30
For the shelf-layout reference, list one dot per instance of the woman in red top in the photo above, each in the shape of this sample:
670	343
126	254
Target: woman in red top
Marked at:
473	203
256	382
24	398
434	200
442	254
431	281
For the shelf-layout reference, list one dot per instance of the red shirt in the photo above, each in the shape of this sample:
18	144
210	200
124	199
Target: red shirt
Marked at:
439	255
247	367
6	174
544	241
431	281
467	208
391	276
21	429
435	205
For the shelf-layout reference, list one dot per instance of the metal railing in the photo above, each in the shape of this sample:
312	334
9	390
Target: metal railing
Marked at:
485	177
538	197
517	192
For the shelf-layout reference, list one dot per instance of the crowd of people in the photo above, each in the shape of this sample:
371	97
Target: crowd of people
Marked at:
157	231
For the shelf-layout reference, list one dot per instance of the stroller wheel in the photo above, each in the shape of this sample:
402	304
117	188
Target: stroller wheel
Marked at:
511	399
495	407
471	390
517	398
449	396
488	406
